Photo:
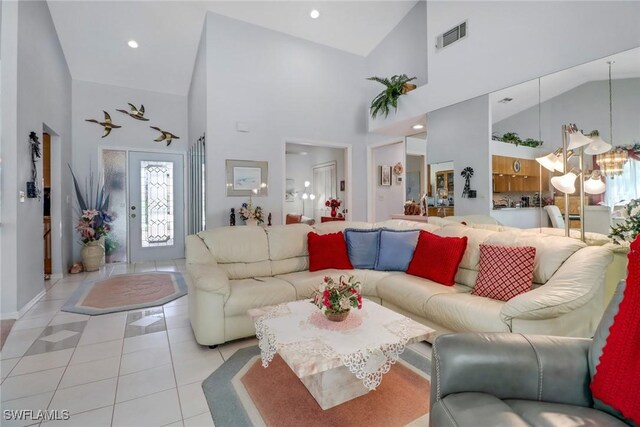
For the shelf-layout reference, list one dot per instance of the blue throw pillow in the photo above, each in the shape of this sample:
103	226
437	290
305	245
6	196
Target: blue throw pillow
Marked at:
396	249
362	246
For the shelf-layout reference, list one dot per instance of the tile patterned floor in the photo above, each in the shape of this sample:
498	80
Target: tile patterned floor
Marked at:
130	369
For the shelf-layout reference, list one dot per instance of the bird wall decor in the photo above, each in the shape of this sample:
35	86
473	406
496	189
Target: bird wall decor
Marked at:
136	113
107	124
165	136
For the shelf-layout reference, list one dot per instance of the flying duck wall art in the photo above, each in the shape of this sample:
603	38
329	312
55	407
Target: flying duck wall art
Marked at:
165	136
135	113
107	124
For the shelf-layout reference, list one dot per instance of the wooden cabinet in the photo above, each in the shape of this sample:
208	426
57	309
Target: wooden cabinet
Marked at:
526	180
440	211
500	183
444	179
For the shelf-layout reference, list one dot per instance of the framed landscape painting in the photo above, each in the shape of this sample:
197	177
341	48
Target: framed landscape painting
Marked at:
247	178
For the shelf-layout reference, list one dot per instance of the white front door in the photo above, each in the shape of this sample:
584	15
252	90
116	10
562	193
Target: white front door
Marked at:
156	206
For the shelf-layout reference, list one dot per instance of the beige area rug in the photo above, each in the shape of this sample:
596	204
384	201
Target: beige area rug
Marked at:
242	392
5	329
126	292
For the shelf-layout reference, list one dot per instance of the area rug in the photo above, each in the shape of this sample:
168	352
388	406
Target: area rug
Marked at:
242	393
126	292
5	329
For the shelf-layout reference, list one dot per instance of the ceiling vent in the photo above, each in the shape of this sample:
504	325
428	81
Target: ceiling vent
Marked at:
453	35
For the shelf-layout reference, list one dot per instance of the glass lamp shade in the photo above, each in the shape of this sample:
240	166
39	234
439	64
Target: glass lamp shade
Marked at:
305	196
312	196
598	146
565	183
548	162
307	184
594	186
577	140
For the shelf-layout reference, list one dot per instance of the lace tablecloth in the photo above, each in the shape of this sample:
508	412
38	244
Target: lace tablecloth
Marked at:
368	350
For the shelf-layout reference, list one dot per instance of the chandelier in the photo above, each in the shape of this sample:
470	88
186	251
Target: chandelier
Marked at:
612	162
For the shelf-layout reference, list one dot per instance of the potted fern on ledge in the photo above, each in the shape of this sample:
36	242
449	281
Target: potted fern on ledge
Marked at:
395	87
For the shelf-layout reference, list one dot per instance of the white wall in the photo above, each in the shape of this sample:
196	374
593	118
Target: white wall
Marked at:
512	42
36	89
197	99
402	51
460	133
166	111
388	199
300	168
283	88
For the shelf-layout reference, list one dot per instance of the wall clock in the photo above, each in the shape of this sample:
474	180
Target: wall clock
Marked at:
516	166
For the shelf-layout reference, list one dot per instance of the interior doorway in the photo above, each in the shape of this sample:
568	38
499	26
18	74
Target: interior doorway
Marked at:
314	173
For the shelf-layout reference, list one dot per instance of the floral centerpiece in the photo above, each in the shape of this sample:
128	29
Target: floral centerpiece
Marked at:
336	299
251	215
94	221
334	204
630	228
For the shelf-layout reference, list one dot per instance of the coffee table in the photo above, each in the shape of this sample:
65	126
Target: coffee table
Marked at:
340	361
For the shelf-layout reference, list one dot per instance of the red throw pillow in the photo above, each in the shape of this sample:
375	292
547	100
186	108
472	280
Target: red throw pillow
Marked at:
437	258
328	251
505	271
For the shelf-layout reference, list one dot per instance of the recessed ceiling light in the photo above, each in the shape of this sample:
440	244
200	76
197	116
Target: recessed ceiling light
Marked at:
416	127
133	44
314	14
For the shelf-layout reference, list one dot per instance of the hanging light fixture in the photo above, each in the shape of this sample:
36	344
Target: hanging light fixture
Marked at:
612	162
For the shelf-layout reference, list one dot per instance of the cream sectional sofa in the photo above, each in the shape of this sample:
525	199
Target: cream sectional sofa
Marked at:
233	269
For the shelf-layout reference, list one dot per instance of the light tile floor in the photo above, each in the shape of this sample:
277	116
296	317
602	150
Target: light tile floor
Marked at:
132	369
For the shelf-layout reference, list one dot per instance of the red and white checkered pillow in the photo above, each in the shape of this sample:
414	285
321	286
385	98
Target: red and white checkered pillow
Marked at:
505	271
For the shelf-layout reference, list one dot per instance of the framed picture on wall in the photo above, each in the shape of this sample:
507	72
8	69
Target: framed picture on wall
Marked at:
247	178
289	190
385	175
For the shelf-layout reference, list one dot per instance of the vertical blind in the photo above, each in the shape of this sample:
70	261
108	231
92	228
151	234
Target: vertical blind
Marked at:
197	203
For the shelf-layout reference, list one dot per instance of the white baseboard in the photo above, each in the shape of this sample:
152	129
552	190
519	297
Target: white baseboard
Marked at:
18	314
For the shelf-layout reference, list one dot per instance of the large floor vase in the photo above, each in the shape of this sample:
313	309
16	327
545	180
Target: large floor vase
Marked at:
92	254
336	316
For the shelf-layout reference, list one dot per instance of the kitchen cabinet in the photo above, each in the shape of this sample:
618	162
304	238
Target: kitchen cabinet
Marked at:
500	183
444	180
440	211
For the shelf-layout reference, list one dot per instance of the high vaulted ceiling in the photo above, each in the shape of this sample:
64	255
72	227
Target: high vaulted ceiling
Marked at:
94	34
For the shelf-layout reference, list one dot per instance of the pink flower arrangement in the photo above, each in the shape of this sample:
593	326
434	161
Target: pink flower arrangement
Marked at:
93	225
339	296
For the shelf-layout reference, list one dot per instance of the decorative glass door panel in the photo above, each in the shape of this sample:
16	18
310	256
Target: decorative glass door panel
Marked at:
156	206
156	202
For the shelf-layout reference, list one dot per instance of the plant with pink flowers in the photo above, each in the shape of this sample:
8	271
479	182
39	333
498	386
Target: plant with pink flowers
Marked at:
93	225
338	296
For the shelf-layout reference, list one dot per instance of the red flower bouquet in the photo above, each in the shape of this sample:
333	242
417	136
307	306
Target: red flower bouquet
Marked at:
337	298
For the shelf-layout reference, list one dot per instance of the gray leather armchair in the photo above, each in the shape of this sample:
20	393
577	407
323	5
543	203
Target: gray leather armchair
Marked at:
506	379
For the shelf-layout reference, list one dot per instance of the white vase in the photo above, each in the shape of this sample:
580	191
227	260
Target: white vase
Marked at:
92	254
251	222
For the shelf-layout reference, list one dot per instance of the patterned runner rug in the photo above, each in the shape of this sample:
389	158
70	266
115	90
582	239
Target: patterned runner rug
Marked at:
126	292
242	392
